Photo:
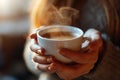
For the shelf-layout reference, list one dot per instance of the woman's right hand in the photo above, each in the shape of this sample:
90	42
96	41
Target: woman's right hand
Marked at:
44	61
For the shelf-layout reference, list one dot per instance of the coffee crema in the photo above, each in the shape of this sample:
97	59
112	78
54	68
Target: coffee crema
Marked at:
61	35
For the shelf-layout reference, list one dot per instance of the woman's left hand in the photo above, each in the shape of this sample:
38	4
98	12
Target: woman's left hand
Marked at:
84	59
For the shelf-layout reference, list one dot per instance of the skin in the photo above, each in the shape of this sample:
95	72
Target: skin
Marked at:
84	59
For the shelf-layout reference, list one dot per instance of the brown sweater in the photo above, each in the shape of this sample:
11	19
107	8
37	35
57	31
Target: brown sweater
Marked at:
109	67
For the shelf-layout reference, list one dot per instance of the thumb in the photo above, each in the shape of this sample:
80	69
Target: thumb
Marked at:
70	54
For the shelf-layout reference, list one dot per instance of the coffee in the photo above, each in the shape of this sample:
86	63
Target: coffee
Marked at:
61	35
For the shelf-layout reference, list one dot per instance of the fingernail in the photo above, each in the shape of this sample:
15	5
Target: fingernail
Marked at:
40	52
51	67
50	59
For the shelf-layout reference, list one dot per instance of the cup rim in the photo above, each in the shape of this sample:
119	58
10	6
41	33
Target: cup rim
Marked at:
57	26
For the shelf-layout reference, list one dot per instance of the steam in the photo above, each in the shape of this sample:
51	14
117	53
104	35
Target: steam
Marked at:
62	16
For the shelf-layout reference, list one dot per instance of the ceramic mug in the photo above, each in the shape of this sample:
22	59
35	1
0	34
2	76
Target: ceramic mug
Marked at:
53	37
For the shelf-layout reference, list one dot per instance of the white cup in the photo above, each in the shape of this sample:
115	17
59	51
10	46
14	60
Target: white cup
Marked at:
52	44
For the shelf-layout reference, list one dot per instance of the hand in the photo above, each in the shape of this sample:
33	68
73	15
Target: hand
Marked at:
84	59
43	61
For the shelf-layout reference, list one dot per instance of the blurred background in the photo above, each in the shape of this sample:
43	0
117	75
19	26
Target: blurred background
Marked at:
14	27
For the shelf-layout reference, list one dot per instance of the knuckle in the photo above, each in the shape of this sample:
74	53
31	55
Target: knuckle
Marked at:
36	59
43	59
31	48
38	67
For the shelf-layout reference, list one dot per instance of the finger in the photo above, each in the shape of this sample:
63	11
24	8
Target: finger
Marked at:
95	37
34	36
93	34
58	67
45	67
43	59
65	72
61	69
92	45
71	72
79	56
37	49
97	44
83	68
51	68
42	67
